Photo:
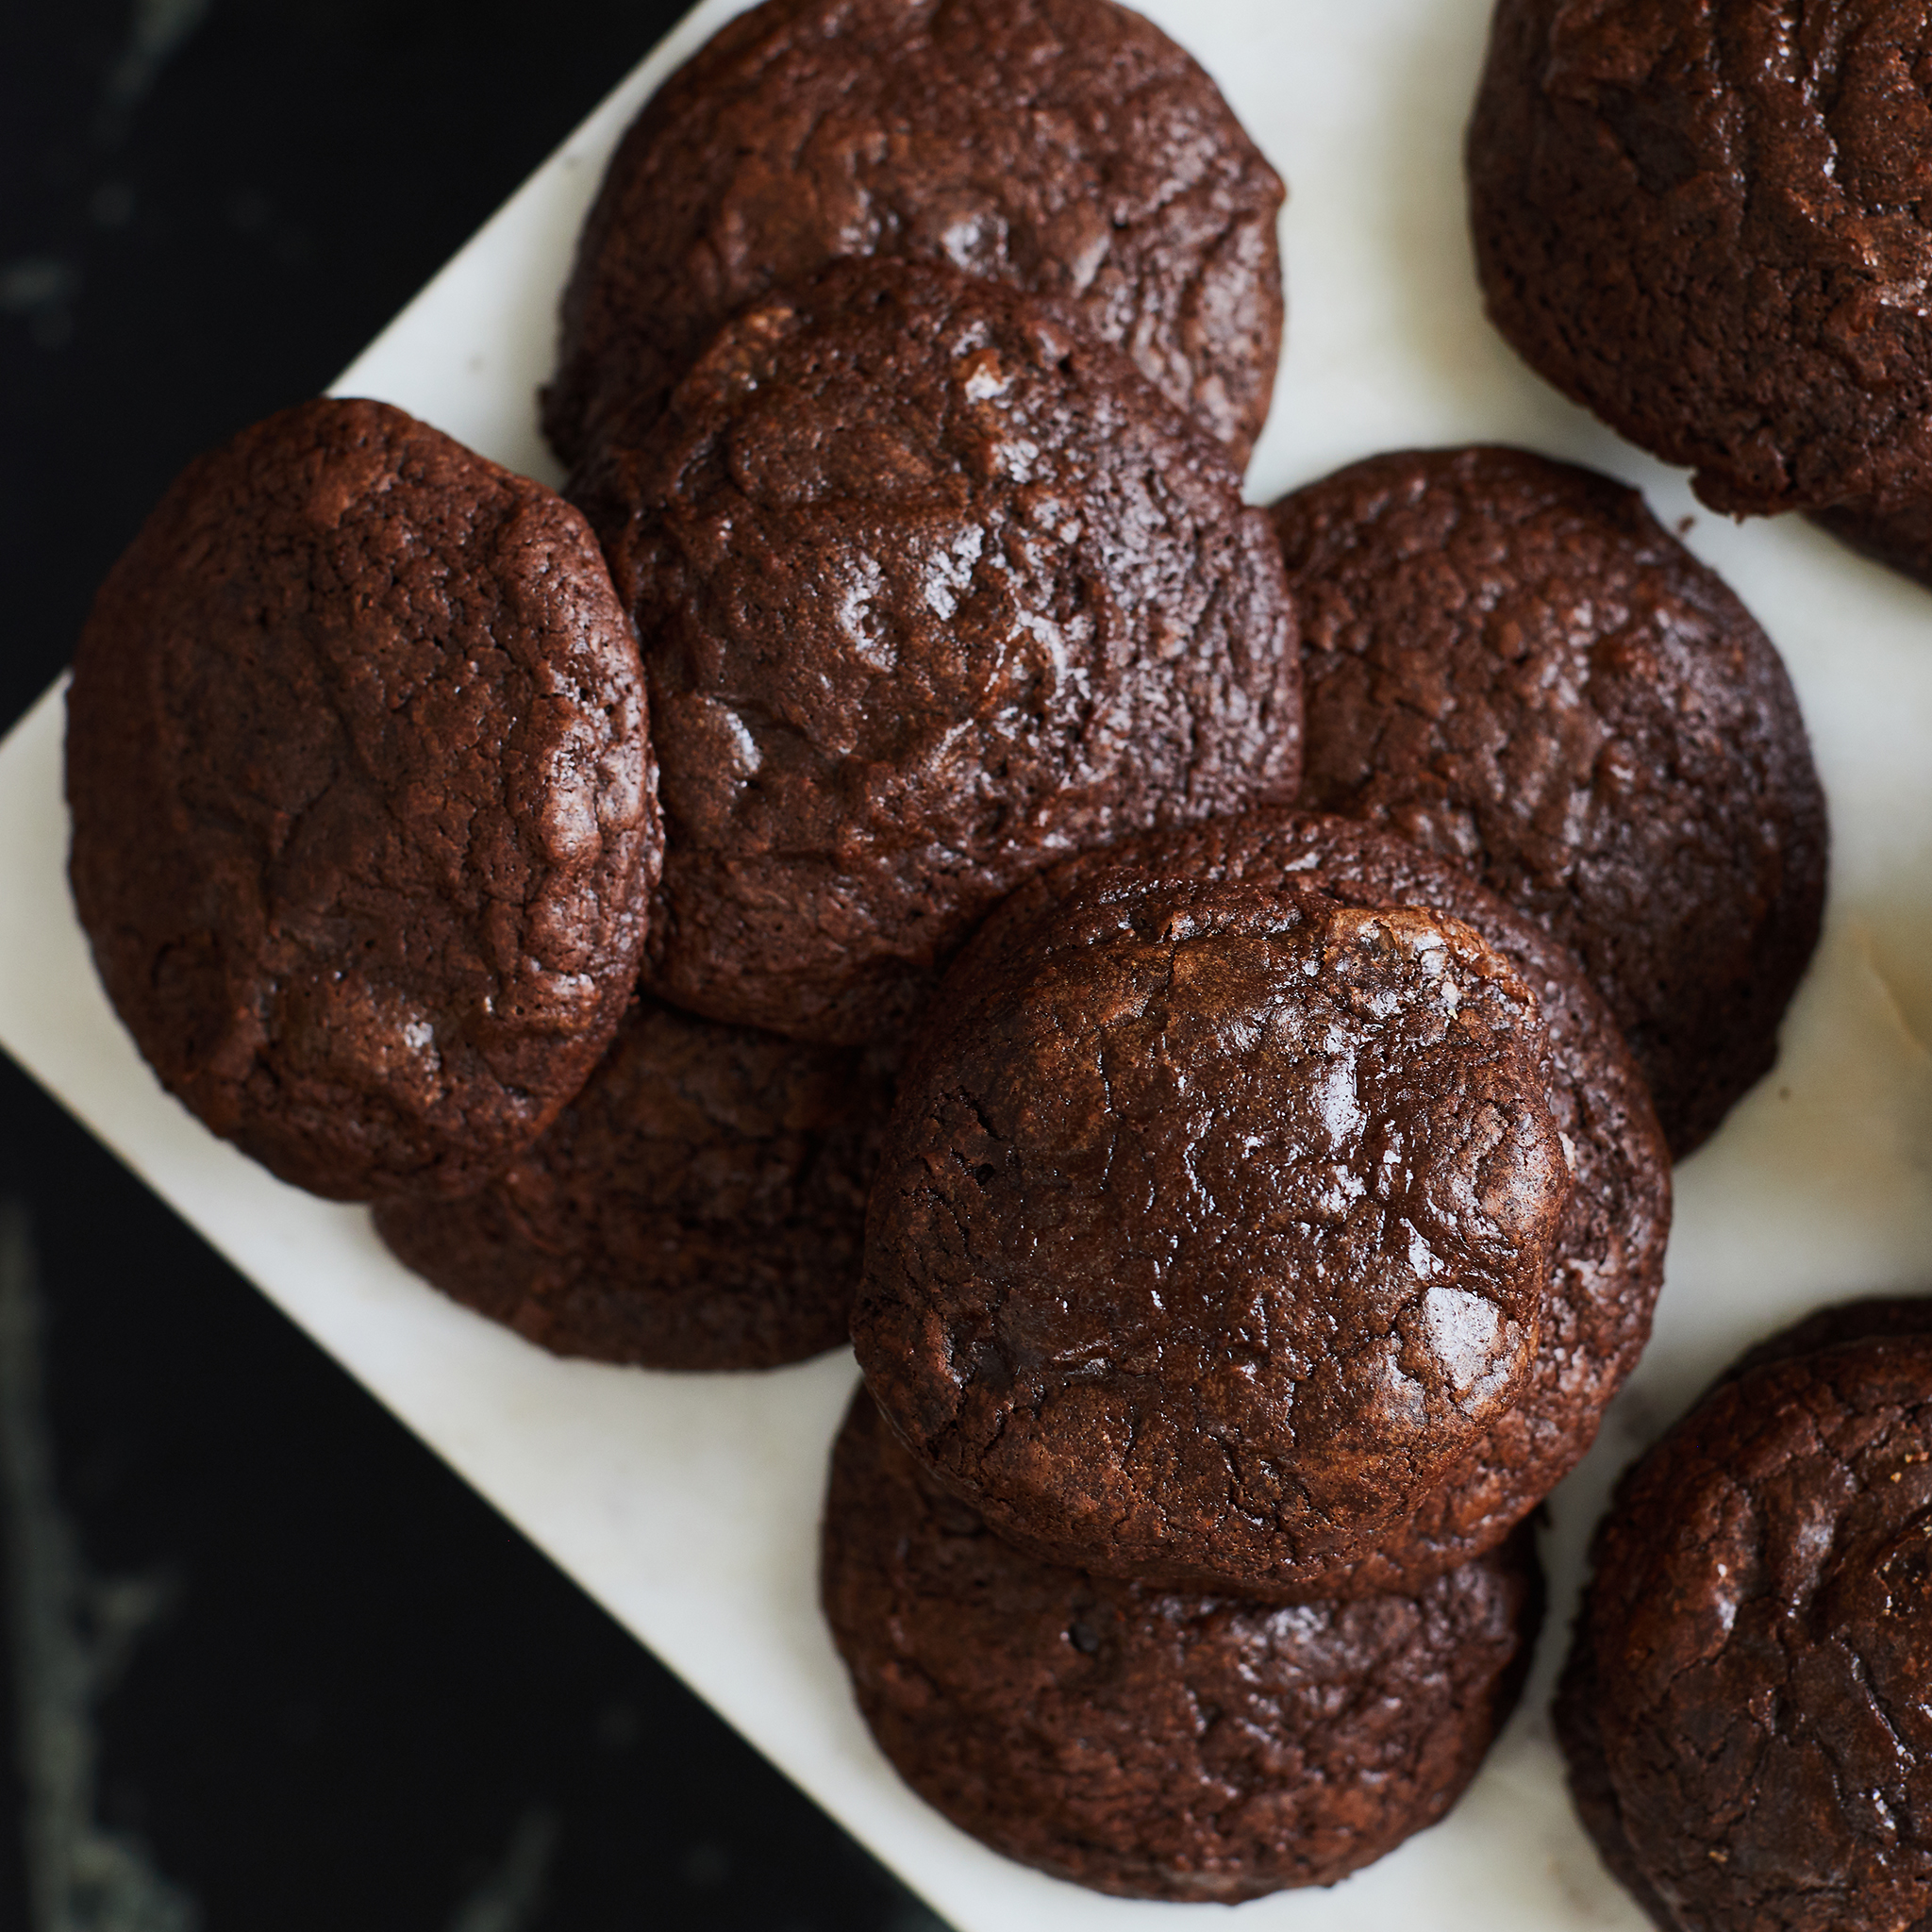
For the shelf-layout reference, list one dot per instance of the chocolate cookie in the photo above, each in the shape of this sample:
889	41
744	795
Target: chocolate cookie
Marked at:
364	815
1212	1225
932	591
1158	1746
1704	221
1743	1711
1607	1265
700	1205
1508	660
1065	146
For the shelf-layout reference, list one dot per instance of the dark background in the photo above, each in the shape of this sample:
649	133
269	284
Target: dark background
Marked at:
268	1662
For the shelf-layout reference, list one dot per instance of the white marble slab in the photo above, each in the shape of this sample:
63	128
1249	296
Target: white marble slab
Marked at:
688	1506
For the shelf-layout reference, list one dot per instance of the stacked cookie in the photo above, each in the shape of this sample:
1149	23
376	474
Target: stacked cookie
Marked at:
1067	148
1267	1214
932	589
700	1205
1157	1743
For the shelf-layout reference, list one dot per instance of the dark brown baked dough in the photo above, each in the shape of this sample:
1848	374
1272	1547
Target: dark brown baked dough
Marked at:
1744	1709
1705	222
1510	662
1900	535
1211	1226
1066	146
700	1205
1607	1265
1159	1746
364	813
1869	1320
932	591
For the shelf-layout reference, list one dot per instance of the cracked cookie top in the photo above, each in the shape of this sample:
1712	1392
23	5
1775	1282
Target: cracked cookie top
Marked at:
1746	1707
932	591
1212	1225
1707	220
364	810
1607	1261
1152	1744
1065	146
1510	662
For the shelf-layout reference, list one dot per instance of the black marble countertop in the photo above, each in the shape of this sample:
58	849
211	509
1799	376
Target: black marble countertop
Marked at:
270	1664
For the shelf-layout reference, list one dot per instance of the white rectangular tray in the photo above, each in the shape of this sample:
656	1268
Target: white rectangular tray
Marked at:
689	1506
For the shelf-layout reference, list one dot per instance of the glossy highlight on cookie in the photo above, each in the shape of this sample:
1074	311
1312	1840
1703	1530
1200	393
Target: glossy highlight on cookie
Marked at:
1212	1226
931	591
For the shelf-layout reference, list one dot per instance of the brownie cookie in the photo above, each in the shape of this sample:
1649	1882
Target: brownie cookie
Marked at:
1508	660
932	591
1743	1710
365	814
1065	146
700	1205
1212	1225
1158	1746
1706	223
1607	1265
